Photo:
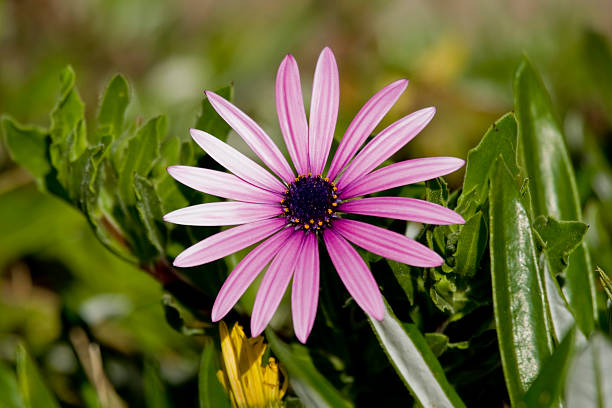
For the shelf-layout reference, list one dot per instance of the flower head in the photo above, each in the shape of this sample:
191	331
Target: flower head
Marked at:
290	211
249	384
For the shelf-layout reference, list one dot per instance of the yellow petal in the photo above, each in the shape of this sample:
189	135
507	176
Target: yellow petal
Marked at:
231	365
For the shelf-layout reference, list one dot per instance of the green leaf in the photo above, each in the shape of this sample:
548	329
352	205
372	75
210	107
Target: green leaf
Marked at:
606	282
112	109
10	397
211	392
560	238
27	146
437	342
547	389
437	191
33	389
313	389
68	131
402	274
561	317
552	182
150	212
588	381
471	245
209	120
520	317
155	394
414	362
142	152
500	140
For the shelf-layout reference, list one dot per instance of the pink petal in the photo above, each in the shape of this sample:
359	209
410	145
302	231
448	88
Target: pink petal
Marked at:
387	243
403	208
291	113
221	184
245	273
355	274
323	110
305	290
385	144
364	123
236	162
222	213
227	242
253	135
401	174
275	282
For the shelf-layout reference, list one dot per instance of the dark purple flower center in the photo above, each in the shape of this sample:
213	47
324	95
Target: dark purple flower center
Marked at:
310	202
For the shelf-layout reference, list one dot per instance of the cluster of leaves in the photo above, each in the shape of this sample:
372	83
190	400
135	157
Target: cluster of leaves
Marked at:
514	307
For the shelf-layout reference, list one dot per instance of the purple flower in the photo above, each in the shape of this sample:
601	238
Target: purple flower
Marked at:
290	213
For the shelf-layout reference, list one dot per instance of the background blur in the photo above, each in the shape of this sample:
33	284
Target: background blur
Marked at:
459	57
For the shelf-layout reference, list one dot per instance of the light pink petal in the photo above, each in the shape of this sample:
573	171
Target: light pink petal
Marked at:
387	243
236	162
403	208
227	242
323	110
221	184
355	274
222	213
291	113
385	144
275	282
364	124
245	273
401	174
253	135
305	290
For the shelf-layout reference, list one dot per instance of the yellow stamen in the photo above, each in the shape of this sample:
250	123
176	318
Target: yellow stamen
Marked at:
320	223
326	179
286	210
297	220
329	211
335	196
309	174
283	200
334	204
306	226
335	188
312	221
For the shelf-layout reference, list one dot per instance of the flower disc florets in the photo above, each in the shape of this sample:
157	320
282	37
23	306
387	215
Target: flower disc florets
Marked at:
310	202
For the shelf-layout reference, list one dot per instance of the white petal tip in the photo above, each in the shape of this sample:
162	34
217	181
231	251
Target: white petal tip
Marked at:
301	338
256	330
215	316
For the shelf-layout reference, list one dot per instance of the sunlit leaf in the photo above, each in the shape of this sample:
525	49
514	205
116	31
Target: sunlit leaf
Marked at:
552	182
28	147
588	381
33	389
10	397
471	245
560	239
518	290
112	109
547	389
500	140
415	362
